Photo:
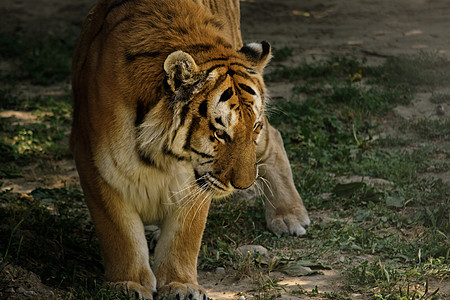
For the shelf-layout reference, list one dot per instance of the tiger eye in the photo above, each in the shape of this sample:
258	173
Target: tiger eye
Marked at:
222	136
219	134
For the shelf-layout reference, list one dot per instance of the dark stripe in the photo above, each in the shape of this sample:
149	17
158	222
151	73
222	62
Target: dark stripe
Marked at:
131	57
207	162
240	65
201	182
212	127
168	152
202	154
184	112
219	81
249	105
244	75
203	108
194	125
247	88
226	95
212	69
232	106
219	121
147	159
231	72
141	111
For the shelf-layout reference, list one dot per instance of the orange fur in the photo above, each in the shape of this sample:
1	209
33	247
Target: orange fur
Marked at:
167	115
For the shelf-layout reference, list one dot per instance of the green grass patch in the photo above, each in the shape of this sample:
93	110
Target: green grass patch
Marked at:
44	136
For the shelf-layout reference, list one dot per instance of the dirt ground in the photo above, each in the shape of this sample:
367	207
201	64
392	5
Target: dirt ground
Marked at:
363	28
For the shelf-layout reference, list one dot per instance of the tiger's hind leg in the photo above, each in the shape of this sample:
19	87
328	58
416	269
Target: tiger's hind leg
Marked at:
285	212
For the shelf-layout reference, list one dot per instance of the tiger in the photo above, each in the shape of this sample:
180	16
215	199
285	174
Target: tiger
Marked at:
167	115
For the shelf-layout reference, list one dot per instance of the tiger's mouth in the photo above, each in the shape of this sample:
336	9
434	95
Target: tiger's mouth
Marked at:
210	183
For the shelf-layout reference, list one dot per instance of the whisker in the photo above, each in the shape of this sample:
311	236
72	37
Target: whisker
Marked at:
189	186
203	203
267	183
193	201
259	189
190	200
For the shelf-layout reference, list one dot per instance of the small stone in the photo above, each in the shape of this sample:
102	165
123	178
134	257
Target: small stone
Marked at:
21	290
242	298
252	249
342	258
220	271
30	293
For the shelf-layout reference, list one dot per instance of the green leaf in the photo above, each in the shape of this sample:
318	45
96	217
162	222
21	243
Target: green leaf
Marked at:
393	201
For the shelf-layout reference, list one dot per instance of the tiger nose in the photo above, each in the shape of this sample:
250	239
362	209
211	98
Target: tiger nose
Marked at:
241	180
239	186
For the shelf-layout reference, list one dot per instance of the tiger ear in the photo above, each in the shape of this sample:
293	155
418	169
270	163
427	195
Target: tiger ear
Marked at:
180	68
258	54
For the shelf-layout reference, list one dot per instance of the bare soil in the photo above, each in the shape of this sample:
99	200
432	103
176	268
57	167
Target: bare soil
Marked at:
362	28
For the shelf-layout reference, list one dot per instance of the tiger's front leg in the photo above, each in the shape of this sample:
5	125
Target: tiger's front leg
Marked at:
121	235
285	212
177	251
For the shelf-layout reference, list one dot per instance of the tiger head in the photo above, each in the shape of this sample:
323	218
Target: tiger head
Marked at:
217	106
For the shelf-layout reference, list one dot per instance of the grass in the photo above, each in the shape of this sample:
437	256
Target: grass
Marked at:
393	236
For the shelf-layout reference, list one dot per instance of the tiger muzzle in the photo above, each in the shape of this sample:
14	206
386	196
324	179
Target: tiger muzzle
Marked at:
245	171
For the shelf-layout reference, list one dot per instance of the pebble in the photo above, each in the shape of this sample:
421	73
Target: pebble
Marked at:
30	293
242	298
22	291
220	271
252	249
342	258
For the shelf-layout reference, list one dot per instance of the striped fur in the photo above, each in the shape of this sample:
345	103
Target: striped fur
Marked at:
167	116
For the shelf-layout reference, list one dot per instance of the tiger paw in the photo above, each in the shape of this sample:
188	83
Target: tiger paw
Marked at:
133	289
182	291
293	223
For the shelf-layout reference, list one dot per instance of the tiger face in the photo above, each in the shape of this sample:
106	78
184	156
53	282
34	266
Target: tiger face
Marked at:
218	110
